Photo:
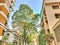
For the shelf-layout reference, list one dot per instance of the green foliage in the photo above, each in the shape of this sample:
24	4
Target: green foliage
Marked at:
28	39
45	37
10	43
5	37
36	18
26	21
42	39
25	10
42	31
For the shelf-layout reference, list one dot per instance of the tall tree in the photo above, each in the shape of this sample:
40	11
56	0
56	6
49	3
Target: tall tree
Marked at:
25	21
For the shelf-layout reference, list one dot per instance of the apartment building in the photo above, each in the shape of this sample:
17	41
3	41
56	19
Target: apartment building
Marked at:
5	9
51	19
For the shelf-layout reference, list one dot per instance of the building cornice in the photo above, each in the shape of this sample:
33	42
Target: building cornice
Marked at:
52	1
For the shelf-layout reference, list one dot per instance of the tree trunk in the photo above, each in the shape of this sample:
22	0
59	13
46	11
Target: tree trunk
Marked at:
24	36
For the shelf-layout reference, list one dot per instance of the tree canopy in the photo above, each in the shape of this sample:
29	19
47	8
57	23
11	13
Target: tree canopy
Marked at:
25	21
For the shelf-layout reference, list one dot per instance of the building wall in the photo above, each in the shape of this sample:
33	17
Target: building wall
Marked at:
5	9
57	33
50	12
50	20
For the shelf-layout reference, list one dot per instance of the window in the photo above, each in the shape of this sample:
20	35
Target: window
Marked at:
10	6
55	6
44	12
7	34
3	32
48	30
8	15
5	23
57	15
46	21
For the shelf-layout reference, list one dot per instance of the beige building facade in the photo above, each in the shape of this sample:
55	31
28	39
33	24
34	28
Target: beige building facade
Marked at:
51	19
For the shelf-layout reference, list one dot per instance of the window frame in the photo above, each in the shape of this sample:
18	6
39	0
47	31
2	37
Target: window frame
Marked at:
55	6
57	15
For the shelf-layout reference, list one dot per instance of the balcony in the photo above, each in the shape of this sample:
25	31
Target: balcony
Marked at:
2	1
2	19
52	1
2	8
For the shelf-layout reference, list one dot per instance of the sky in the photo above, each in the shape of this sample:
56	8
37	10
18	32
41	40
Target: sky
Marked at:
33	4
